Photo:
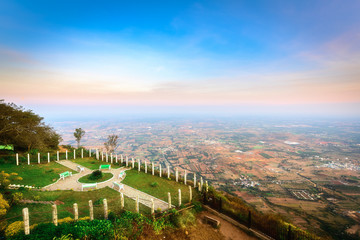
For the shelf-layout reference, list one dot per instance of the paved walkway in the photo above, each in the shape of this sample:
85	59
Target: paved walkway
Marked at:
71	183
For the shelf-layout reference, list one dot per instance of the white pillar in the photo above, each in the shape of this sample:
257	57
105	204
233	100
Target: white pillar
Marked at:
57	155
132	163
82	153
121	201
25	213
17	159
206	186
28	157
169	200
38	158
111	158
137	204
199	186
91	210
107	157
90	152
121	159
127	161
145	166
190	194
102	156
116	158
201	183
179	197
74	153
152	168
97	154
105	209
194	180
48	157
160	171
139	165
176	174
76	212
168	171
185	177
54	215
152	206
66	155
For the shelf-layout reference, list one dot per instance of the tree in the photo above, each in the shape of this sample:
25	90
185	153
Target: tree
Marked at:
78	134
25	129
112	143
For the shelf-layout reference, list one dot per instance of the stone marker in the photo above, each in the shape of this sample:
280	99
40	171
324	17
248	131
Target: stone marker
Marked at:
169	200
28	157
48	157
38	158
160	171
76	212
121	201
185	177
137	204
91	210
25	213
17	159
152	206
152	168
105	209
54	215
179	197
190	193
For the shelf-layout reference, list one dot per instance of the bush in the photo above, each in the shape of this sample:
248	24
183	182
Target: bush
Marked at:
154	184
184	219
14	228
95	175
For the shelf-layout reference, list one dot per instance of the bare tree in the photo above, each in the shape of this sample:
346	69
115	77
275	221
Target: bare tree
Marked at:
112	143
78	134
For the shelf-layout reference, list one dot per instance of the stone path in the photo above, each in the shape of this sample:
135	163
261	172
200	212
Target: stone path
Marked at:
71	183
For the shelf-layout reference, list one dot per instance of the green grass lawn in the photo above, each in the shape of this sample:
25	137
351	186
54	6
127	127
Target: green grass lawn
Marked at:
38	175
144	181
42	212
86	179
92	163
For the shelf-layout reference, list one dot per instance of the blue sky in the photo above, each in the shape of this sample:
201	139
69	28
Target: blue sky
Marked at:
271	57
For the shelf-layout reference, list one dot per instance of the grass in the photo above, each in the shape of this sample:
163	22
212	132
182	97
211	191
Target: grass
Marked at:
42	212
38	175
145	182
86	178
92	163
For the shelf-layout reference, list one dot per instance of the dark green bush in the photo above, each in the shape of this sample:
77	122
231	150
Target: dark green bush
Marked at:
95	175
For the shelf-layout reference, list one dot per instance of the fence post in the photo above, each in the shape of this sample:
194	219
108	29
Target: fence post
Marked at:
176	174
145	166
169	200
201	184
121	201
111	158
82	153
168	171
76	212
91	210
152	168
152	206
66	155
48	157
127	161
185	177
107	157
206	186
249	219
74	153
17	159
139	165
54	215
105	209
132	162
102	156
25	213
28	157
121	159
57	155
190	194
97	154
160	171
137	204
194	180
116	159
90	152
38	158
179	197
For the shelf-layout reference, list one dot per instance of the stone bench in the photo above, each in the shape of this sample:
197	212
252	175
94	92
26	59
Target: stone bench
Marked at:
211	221
120	186
88	185
105	167
122	175
65	174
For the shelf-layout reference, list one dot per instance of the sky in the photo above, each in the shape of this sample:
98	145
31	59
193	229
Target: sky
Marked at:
80	59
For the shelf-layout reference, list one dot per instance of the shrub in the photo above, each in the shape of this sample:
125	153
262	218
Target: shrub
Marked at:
95	175
154	184
184	219
65	220
14	228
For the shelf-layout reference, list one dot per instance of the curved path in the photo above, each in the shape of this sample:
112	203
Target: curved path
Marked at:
71	183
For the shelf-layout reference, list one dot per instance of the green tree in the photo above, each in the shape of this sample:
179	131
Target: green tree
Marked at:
112	143
78	134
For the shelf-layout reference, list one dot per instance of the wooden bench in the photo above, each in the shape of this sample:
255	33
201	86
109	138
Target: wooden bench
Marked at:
80	168
122	175
105	167
88	185
120	186
65	174
211	221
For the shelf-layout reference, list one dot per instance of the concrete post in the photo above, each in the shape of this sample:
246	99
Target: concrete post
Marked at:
38	158
152	206
111	158
90	152
145	166
28	157
185	177
137	204
190	194
102	156
54	215
127	161
76	212
25	213
206	186
194	180
160	171
82	153
66	155
57	156
105	209
121	159
152	168
116	158
107	157
48	157
176	174
132	162
199	186
17	159
74	153
169	200
121	201
97	154
139	165
91	210
179	197
168	171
